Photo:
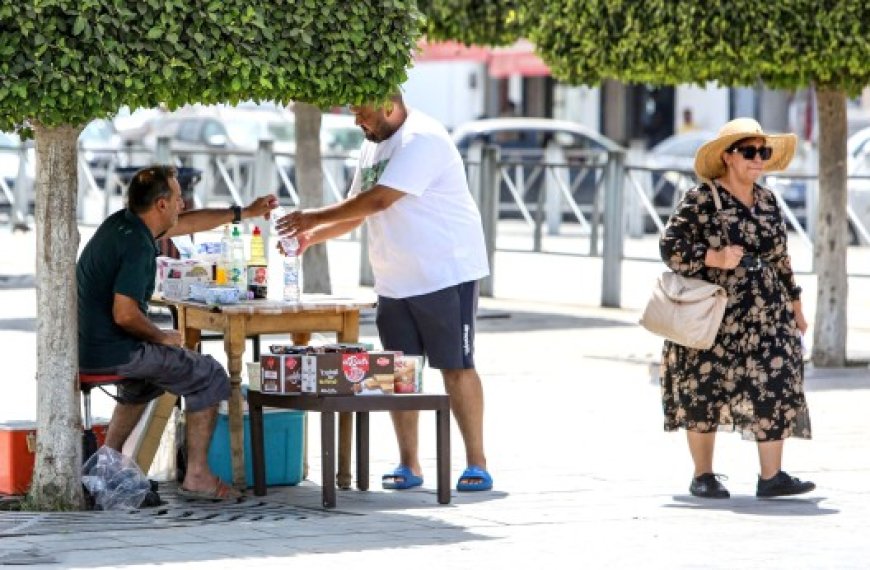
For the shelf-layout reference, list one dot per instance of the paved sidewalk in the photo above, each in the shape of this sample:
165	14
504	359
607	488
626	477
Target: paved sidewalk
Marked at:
584	475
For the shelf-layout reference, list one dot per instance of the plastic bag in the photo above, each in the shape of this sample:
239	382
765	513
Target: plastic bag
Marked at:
114	480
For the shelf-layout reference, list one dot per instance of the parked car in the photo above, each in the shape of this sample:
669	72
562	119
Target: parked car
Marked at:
672	173
197	130
100	145
10	159
671	165
523	142
858	183
340	142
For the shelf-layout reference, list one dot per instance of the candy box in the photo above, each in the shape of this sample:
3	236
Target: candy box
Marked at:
280	374
344	374
175	276
409	374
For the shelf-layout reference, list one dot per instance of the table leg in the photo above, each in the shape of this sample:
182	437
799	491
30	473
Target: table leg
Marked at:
362	451
349	333
345	441
258	459
442	443
234	345
301	339
327	452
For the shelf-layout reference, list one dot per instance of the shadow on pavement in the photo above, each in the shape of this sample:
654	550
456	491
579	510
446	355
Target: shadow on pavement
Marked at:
822	379
516	321
376	500
25	325
26	281
750	505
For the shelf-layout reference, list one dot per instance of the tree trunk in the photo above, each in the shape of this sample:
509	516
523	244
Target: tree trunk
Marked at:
57	476
309	182
829	335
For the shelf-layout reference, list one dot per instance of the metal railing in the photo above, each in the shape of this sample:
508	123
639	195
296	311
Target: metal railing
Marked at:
596	196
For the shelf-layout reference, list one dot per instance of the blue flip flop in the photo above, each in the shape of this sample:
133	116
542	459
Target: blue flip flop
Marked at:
481	480
401	478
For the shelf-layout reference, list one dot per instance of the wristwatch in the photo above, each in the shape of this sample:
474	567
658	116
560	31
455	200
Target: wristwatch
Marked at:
237	214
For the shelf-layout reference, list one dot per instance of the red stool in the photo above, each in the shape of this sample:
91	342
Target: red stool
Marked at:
88	382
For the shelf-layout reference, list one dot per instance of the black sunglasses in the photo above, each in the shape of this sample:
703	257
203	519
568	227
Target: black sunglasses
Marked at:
749	152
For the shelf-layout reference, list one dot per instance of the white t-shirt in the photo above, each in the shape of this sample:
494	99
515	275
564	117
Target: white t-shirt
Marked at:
431	238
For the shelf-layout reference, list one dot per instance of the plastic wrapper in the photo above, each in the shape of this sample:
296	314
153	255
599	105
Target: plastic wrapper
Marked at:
114	481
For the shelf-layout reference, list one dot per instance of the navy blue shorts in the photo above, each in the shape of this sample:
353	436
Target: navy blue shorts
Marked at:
155	368
437	325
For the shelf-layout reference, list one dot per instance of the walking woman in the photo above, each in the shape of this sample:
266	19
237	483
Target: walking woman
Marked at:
751	379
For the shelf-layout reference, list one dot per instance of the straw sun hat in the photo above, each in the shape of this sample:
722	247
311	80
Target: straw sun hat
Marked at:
708	159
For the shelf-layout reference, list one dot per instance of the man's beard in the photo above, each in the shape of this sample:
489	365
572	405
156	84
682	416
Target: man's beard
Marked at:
371	136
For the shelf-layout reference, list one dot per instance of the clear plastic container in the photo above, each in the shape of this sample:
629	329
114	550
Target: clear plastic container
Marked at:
292	261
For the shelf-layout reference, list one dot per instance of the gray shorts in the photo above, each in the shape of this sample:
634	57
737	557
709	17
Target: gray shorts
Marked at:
437	325
156	368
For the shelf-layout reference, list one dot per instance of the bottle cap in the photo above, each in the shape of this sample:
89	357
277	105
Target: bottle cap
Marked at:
236	232
256	231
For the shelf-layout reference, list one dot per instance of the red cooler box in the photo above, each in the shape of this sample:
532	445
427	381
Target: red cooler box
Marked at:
17	454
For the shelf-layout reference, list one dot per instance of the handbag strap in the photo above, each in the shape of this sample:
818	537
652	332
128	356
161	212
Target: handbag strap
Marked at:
718	202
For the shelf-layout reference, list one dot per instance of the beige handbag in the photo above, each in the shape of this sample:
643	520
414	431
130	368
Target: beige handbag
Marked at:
685	310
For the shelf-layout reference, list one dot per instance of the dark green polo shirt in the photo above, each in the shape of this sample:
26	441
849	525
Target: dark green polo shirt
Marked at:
120	258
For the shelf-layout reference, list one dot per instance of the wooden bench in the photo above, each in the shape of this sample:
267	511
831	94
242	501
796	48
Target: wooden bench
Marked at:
360	406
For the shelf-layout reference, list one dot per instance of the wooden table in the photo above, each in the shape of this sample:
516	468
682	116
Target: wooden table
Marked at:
361	406
316	313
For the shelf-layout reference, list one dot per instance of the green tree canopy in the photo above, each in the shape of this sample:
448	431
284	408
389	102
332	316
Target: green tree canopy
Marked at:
784	43
69	61
66	62
473	22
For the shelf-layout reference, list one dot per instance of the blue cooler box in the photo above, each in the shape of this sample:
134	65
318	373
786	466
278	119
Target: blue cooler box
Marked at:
283	430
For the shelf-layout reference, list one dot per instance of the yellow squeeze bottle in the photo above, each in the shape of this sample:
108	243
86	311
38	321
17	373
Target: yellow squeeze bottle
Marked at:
221	274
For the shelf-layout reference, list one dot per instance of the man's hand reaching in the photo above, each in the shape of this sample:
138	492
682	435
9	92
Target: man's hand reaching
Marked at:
260	207
297	222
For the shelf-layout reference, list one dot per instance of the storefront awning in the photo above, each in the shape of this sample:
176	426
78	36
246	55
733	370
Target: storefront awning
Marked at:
518	59
450	51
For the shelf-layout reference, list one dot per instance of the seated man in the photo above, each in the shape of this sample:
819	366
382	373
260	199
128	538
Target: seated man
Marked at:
115	275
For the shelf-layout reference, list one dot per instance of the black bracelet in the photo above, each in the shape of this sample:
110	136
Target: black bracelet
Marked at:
237	214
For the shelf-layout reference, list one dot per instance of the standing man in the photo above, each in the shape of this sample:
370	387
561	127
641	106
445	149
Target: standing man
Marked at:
427	252
115	276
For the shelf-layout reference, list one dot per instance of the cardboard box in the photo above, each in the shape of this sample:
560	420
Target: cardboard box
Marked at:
409	374
174	276
344	374
282	438
281	374
18	454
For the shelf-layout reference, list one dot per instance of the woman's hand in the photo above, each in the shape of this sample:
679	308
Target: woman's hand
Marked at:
799	315
726	258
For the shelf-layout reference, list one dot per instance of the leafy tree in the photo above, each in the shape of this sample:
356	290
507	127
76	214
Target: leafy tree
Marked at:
66	62
493	22
785	44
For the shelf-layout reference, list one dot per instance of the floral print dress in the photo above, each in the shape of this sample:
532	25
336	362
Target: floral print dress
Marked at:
751	379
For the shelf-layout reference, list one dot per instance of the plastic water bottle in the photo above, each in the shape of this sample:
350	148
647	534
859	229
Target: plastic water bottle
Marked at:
238	262
292	261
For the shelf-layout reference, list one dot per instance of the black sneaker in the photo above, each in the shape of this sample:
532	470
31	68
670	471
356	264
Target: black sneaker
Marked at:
782	485
707	486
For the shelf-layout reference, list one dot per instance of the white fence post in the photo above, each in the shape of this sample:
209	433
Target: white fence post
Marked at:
554	154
